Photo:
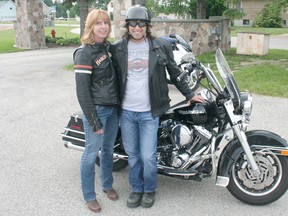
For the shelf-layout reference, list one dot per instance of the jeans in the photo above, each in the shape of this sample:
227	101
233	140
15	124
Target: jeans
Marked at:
93	142
139	136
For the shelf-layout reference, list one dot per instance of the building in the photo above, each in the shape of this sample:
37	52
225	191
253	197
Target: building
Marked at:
251	8
7	11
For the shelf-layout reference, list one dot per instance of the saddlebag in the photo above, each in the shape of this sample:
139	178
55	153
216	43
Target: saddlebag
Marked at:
74	131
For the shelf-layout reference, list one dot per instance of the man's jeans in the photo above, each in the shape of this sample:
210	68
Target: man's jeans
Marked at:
109	118
139	135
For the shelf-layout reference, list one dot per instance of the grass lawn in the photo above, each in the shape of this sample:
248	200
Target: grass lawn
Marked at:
7	41
7	37
264	75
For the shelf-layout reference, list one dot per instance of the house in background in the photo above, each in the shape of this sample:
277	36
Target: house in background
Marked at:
49	14
7	11
251	8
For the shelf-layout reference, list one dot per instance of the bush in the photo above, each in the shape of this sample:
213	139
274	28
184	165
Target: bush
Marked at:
269	17
60	41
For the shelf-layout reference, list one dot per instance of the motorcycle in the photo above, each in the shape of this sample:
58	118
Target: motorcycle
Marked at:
180	48
211	139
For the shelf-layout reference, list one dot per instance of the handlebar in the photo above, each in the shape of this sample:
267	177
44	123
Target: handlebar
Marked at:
186	71
189	68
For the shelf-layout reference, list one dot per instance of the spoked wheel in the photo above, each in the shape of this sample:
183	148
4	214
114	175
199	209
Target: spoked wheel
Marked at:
266	188
118	164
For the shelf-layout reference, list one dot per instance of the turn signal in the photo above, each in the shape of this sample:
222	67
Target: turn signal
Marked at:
284	152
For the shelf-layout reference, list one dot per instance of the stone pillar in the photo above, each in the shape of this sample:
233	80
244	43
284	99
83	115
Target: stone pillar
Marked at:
29	25
119	10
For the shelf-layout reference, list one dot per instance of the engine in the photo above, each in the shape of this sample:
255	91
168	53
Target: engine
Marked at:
179	142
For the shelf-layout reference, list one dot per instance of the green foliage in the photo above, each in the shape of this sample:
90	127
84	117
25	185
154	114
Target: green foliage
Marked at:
233	14
270	16
49	3
7	42
233	11
168	6
213	7
263	78
61	10
101	4
60	41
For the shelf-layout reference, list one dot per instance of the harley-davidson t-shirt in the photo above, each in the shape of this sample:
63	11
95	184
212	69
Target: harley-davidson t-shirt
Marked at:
137	97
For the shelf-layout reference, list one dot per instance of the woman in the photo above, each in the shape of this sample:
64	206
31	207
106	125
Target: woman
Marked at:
98	98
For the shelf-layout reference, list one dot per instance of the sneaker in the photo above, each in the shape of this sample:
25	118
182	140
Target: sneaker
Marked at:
134	200
148	200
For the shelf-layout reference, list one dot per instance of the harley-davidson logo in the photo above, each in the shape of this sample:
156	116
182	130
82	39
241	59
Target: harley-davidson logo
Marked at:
185	112
189	112
101	59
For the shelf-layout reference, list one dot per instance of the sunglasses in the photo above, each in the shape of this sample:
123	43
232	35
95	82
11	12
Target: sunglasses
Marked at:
134	24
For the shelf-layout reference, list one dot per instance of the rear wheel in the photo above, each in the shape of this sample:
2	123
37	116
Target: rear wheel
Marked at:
118	164
266	188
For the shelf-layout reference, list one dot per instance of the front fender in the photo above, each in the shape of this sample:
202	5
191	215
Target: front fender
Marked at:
233	149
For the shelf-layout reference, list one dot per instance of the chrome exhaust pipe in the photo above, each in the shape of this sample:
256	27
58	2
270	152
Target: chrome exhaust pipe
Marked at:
70	145
173	172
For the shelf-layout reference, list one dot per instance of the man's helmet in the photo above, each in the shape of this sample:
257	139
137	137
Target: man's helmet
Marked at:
138	12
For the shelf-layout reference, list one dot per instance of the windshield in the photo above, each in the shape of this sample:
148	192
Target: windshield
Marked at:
228	77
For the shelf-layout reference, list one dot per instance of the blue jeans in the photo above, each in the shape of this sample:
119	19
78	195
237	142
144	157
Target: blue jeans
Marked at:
139	135
93	142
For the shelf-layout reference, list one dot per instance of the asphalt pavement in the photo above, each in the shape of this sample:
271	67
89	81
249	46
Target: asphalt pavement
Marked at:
39	176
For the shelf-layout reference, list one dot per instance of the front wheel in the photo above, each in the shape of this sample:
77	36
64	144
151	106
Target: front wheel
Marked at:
264	189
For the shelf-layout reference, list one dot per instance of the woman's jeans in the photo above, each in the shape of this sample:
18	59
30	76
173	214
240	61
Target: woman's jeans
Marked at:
139	136
109	118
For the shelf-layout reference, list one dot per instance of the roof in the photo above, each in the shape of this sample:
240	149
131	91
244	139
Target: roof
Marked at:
2	3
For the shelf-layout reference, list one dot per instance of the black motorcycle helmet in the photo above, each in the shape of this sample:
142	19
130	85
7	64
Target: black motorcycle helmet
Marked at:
138	12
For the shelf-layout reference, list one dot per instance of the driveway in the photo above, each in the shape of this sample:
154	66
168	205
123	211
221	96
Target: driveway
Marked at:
40	177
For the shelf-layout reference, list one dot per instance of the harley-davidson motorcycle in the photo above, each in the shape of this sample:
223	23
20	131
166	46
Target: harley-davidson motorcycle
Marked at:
211	139
180	48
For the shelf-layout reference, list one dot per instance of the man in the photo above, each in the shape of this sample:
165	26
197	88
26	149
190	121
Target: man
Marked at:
140	61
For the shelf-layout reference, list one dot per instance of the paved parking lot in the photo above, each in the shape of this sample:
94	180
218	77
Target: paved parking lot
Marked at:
40	177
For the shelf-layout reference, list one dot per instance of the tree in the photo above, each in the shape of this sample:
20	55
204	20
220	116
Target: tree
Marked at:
49	3
101	4
84	9
168	6
83	6
234	11
200	9
270	16
215	7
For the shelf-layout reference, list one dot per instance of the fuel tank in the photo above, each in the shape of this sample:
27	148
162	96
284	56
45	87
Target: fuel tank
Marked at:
197	113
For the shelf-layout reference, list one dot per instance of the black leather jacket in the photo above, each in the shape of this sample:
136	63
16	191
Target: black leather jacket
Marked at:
95	80
160	58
